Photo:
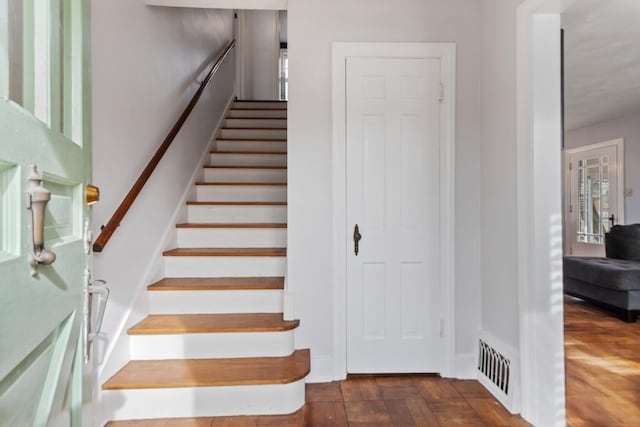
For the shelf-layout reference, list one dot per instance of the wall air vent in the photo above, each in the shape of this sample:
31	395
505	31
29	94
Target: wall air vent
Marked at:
497	371
494	366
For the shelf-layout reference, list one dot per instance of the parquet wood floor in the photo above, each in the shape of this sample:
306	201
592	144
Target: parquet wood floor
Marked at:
602	384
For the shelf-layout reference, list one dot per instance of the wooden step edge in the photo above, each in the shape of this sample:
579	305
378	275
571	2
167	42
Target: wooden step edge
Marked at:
258	109
226	252
272	153
148	374
245	167
231	225
171	324
256	118
261	184
218	284
260	129
251	139
247	203
261	100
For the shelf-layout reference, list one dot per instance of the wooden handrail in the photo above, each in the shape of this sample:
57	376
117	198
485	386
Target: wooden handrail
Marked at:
118	215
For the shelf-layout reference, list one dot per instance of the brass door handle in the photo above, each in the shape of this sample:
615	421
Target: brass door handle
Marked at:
356	239
91	195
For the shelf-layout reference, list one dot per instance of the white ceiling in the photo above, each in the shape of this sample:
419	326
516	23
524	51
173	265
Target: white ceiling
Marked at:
602	60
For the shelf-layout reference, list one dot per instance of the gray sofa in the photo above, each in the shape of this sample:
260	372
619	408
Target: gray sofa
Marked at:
612	282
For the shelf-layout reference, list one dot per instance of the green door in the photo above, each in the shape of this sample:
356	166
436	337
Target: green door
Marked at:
44	121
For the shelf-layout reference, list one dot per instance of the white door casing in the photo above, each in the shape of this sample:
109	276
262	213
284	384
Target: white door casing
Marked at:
444	55
393	307
594	190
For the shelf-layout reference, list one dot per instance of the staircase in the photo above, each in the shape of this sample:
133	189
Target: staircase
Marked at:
216	342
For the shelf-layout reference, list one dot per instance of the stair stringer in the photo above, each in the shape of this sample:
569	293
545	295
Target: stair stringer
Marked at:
112	356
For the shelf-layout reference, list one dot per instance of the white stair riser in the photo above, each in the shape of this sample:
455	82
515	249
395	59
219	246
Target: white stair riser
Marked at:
245	175
203	214
232	237
241	193
257	113
206	401
253	133
211	345
215	302
255	123
222	159
233	266
249	104
227	145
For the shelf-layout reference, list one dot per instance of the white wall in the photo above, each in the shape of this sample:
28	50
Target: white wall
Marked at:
260	46
312	28
627	127
498	157
146	61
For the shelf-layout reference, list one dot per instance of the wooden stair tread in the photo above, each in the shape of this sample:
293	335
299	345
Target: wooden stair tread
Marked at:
218	283
256	118
194	203
251	139
231	225
226	252
271	153
236	128
140	374
258	108
244	167
264	184
156	324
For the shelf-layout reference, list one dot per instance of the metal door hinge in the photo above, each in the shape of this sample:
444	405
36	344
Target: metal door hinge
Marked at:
441	93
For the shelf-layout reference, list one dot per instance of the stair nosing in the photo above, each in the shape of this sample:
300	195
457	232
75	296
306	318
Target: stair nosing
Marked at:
280	325
271	153
252	139
256	118
224	283
244	167
260	184
260	129
299	368
248	225
226	252
241	203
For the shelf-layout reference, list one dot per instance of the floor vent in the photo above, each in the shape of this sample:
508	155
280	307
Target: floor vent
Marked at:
494	366
497	371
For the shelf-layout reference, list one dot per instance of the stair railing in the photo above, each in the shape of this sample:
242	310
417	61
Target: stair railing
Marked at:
125	205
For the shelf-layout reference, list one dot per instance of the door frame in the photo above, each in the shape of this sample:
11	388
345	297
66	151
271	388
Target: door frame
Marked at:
566	154
446	53
539	210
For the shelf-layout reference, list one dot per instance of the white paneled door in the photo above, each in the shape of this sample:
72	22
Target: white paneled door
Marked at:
393	196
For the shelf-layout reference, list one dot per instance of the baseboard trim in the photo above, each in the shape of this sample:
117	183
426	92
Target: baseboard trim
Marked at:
321	370
466	366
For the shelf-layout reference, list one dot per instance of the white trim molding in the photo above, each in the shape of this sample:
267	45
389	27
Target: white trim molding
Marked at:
446	53
539	134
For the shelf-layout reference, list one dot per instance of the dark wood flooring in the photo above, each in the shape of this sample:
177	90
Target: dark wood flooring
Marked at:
602	384
376	401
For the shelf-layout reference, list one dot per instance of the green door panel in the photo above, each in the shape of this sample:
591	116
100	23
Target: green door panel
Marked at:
47	124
